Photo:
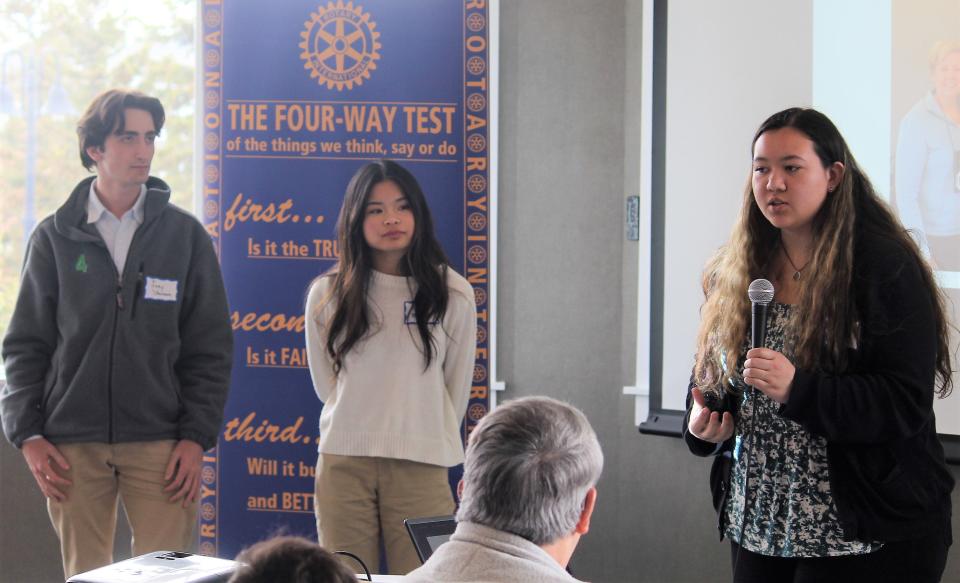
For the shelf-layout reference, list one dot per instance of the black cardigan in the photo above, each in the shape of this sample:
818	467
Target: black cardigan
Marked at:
887	471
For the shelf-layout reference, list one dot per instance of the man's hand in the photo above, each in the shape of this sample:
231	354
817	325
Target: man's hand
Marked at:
41	455
183	472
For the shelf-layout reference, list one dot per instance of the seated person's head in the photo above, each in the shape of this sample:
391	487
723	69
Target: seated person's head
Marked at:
290	559
530	470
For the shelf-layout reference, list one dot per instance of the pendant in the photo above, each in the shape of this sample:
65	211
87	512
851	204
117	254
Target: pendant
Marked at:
796	276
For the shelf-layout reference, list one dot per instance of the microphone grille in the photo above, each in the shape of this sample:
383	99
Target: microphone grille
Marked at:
760	291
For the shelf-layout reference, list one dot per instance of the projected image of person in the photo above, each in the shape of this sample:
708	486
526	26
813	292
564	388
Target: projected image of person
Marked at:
928	162
391	337
828	466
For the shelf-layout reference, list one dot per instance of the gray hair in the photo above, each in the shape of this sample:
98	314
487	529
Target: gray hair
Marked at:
940	50
529	465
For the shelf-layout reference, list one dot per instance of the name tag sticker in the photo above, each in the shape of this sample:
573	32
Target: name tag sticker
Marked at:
161	290
410	315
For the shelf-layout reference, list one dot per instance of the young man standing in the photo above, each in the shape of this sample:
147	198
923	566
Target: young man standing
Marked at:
118	354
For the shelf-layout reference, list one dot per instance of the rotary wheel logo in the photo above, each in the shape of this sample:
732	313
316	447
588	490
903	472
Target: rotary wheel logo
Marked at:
476	411
340	45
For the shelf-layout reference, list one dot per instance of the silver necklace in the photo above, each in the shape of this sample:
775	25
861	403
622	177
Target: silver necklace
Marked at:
796	272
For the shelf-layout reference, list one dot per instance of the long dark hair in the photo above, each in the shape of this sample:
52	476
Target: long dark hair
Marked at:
822	336
424	262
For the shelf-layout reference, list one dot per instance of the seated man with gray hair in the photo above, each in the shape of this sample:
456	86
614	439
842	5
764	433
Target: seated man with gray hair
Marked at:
527	494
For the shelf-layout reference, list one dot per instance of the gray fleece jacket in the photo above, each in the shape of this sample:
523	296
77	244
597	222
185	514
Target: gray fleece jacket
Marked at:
96	356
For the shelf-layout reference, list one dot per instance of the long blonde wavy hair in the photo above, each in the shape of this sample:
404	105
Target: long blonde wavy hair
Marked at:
820	339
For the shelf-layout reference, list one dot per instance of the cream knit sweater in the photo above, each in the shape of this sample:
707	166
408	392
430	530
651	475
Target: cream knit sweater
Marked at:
383	403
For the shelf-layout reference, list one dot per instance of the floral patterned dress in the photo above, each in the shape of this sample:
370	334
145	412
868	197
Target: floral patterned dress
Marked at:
780	502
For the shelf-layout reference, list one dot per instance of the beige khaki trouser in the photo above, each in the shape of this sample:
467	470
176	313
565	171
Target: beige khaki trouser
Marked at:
358	498
102	474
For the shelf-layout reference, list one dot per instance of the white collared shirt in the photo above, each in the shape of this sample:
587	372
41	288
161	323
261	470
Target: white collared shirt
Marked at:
116	233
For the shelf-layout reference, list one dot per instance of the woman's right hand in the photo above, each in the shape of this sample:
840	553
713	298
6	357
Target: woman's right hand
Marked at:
708	425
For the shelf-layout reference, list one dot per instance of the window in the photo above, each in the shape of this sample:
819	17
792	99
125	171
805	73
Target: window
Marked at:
57	55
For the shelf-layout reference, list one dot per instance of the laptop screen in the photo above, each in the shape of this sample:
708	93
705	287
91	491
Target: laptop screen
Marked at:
429	533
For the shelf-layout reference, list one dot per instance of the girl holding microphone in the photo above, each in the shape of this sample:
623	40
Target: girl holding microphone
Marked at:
828	466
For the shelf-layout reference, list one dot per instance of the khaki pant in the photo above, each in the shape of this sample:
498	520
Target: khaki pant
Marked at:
359	498
101	474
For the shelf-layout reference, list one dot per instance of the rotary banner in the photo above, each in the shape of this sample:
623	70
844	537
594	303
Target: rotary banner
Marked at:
294	97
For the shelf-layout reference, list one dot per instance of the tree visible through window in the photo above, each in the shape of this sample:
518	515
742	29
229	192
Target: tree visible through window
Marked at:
57	55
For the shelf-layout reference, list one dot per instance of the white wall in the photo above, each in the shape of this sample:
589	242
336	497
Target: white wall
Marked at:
729	68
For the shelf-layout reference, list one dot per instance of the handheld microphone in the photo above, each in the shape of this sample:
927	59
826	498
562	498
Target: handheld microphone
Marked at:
760	293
